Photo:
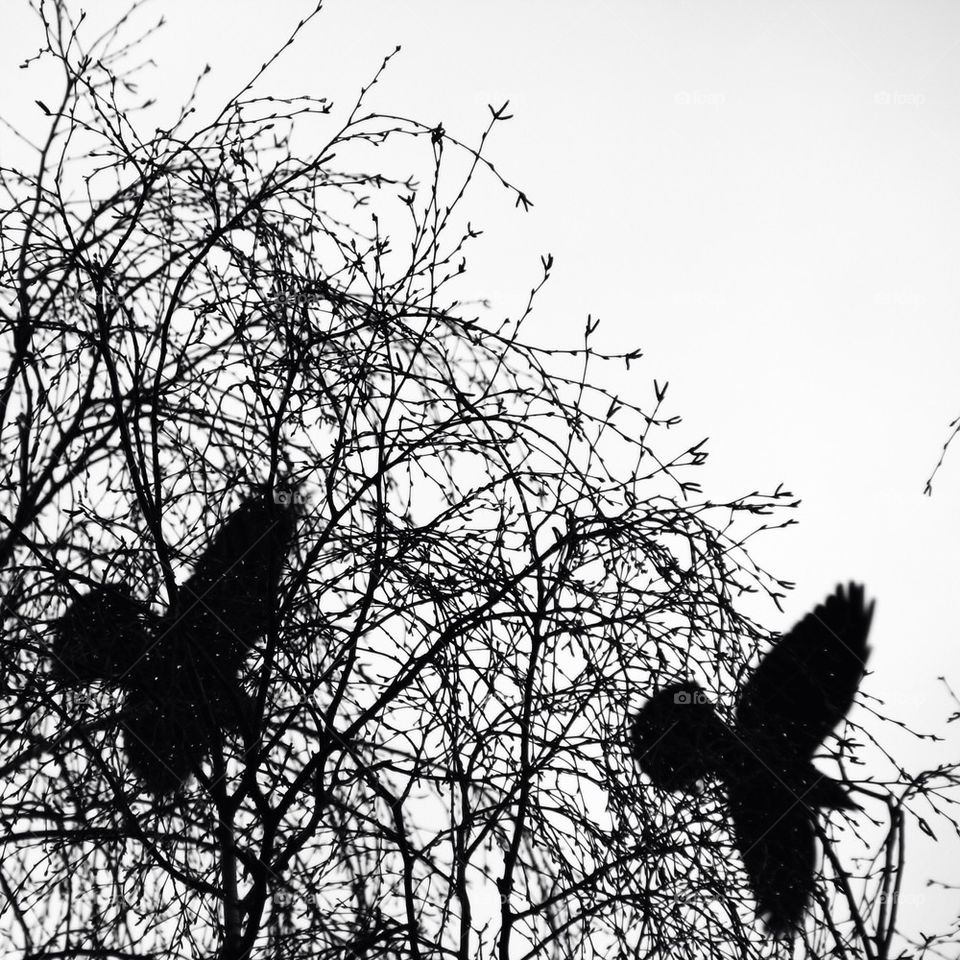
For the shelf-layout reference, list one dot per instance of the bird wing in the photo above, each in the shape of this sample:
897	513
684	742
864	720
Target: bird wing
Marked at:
102	636
225	606
807	682
775	836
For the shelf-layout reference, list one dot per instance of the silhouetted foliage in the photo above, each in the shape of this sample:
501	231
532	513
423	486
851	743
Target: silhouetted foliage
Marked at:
413	739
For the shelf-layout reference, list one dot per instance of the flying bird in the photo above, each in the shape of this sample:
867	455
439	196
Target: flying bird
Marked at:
796	696
180	671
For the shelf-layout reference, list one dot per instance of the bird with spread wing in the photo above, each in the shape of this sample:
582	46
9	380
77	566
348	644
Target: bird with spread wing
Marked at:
180	671
800	691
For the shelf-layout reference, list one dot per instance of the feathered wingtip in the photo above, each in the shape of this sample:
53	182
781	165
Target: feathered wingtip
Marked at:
850	602
226	604
261	529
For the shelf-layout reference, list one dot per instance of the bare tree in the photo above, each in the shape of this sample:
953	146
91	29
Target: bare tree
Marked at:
494	562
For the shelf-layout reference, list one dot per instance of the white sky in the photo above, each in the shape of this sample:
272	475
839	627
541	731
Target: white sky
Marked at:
764	197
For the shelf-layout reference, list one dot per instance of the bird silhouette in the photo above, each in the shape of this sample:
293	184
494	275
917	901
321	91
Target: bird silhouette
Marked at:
796	696
180	672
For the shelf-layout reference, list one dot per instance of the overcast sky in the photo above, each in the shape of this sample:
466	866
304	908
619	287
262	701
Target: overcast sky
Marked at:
764	197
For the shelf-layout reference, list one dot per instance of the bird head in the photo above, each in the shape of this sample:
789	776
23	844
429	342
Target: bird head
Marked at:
677	737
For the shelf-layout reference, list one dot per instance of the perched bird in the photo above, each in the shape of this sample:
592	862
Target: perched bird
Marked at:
181	671
796	696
